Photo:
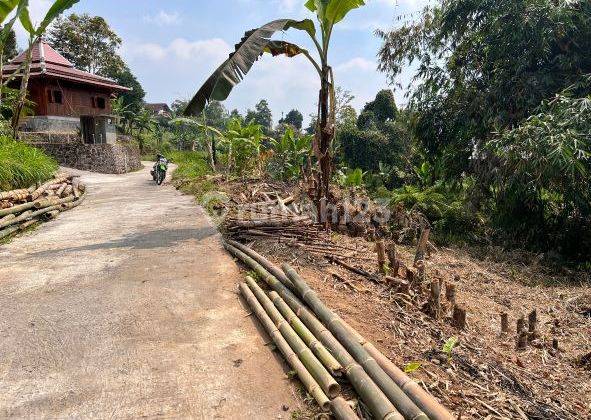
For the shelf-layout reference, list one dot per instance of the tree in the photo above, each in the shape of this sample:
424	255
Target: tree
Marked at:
10	47
119	71
377	112
293	118
261	115
258	41
86	41
485	65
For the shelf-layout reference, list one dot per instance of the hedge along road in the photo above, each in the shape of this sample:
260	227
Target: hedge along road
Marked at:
126	307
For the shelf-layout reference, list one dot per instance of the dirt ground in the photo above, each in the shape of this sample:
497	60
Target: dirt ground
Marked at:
126	307
485	376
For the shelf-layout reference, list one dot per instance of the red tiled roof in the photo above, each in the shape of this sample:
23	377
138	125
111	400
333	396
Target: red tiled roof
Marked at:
48	62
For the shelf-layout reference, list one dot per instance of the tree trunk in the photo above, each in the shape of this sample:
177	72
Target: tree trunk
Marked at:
322	142
23	89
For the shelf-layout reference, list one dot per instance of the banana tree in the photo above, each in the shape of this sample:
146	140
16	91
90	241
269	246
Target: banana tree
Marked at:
6	8
190	122
259	41
35	33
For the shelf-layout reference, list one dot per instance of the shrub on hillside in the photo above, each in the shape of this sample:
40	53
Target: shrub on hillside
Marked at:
22	165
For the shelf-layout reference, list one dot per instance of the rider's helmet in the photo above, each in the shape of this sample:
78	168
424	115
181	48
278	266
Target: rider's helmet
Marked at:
159	156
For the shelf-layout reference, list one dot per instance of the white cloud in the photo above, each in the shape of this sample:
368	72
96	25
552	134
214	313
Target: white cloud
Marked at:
163	18
358	64
215	49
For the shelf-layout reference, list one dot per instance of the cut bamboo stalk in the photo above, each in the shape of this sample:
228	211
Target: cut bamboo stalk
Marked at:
20	218
311	341
71	205
377	403
422	246
330	387
504	323
51	215
8	231
14	194
381	252
521	334
67	191
391	253
450	293
28	224
533	325
421	398
400	400
311	385
7	218
61	189
435	299
58	179
273	269
303	220
459	317
342	410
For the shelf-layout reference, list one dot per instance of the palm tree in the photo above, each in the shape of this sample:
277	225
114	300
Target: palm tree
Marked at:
258	41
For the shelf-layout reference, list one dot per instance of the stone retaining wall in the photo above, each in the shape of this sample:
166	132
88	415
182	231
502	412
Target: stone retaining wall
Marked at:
116	158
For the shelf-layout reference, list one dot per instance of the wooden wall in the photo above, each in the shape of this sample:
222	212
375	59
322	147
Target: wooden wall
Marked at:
77	99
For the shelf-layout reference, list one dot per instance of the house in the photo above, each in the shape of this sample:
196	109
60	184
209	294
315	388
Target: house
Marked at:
159	110
72	116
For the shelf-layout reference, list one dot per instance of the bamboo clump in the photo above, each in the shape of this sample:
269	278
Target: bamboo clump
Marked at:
20	209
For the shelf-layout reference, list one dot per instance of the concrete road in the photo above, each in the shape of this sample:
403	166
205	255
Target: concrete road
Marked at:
126	307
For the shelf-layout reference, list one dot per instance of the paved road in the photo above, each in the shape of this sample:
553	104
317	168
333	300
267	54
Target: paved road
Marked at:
125	307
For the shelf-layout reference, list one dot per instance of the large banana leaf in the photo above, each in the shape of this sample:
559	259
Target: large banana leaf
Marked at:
22	5
58	7
331	12
6	6
247	52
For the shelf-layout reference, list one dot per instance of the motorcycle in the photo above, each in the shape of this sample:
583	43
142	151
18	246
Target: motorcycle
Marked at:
159	171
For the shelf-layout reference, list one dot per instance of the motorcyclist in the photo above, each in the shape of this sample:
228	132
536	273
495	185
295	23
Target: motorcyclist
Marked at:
159	159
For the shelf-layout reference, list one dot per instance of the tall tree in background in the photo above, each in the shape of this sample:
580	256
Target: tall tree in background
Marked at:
261	115
86	41
10	47
293	118
91	44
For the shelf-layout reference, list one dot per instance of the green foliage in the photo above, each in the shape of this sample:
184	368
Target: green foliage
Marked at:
242	144
191	165
293	118
541	182
412	367
449	346
376	113
261	115
86	41
289	155
22	165
350	177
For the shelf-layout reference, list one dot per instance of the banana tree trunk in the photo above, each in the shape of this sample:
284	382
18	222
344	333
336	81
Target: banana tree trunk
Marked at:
322	141
23	89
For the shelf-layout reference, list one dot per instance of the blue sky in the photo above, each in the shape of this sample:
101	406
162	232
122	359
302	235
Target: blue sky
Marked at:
173	46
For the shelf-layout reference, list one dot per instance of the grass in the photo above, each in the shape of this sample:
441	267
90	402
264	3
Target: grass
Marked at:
191	175
22	165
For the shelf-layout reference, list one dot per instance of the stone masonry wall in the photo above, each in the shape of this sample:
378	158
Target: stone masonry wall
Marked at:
104	158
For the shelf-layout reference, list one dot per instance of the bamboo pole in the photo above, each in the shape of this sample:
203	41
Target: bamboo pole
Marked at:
342	410
377	403
311	385
7	218
273	269
14	194
71	205
8	231
24	226
421	398
330	387
311	341
400	400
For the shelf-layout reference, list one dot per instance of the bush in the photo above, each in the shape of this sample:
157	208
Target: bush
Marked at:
22	165
191	165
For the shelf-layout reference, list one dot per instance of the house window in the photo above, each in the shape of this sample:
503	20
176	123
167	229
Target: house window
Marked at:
98	102
55	96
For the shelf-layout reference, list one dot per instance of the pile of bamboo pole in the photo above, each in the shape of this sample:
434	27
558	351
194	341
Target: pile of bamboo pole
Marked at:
20	209
322	348
274	217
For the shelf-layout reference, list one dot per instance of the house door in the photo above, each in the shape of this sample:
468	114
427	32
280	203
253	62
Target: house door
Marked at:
87	128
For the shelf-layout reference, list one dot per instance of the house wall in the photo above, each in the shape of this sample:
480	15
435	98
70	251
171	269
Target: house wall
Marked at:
77	99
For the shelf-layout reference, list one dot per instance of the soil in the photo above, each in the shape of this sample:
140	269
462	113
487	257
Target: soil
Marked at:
126	307
484	376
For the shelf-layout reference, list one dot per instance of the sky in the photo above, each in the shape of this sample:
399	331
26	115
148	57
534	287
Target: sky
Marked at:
173	46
